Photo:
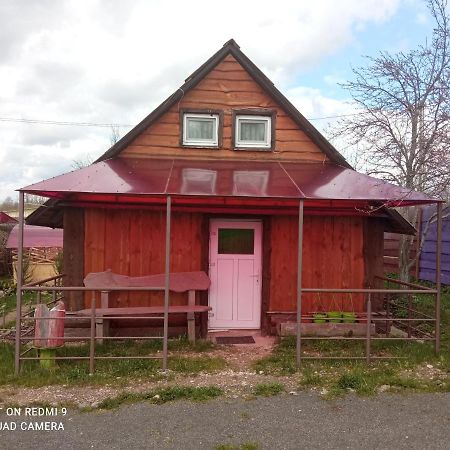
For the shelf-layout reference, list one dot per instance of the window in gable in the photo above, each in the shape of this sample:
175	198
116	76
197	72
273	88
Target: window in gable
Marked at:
254	129
200	129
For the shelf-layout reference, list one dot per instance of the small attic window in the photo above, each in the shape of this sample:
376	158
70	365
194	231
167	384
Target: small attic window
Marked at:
254	129
201	130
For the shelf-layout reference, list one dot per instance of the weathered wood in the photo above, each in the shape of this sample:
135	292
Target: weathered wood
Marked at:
373	258
73	256
144	310
131	242
341	237
191	317
326	329
226	88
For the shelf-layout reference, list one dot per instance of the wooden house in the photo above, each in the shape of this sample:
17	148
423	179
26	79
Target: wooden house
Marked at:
246	175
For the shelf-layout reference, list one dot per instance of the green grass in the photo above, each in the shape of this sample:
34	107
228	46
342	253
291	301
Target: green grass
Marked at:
268	389
244	446
164	395
107	371
8	302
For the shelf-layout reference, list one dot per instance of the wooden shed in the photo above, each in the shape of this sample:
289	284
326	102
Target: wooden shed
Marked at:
256	197
42	247
6	225
427	260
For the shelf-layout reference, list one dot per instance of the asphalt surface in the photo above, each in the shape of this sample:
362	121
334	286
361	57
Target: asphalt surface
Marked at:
414	421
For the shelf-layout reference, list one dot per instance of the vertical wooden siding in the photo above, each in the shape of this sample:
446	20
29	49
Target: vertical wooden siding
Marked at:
132	243
332	258
225	88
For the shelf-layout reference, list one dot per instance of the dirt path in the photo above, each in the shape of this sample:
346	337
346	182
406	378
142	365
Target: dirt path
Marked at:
238	379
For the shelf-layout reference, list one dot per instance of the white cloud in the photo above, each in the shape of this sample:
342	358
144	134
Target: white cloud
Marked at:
114	61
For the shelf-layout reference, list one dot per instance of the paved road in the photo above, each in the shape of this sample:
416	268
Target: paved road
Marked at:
419	421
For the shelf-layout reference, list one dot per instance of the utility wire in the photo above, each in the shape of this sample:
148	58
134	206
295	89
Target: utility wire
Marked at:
56	122
108	125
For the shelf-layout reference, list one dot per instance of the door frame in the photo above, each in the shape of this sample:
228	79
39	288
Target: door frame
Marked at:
227	220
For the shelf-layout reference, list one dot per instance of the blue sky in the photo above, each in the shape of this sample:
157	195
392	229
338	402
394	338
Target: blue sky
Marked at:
405	30
111	61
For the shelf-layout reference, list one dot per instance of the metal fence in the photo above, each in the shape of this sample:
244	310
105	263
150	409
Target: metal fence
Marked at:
57	293
385	316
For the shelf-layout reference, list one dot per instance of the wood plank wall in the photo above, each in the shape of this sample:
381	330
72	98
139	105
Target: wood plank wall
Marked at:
335	254
132	243
225	88
332	257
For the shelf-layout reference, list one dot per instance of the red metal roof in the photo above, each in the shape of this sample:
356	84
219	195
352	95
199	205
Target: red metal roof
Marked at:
34	236
133	178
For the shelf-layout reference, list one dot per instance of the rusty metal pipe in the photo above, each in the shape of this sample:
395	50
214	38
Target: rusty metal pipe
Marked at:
19	275
299	283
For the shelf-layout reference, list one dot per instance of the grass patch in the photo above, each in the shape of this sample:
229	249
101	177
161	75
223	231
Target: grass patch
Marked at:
336	377
117	371
268	389
164	395
245	446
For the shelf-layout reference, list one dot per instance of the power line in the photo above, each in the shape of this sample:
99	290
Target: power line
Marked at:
335	117
109	125
56	122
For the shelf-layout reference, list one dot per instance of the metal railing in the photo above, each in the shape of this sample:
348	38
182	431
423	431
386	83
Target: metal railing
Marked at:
93	320
379	317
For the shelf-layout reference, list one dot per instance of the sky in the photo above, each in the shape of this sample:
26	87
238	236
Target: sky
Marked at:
113	61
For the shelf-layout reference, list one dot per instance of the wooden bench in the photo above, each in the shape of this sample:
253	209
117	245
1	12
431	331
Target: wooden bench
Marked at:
142	311
179	282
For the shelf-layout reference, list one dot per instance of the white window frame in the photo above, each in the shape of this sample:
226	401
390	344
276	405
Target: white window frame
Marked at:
253	144
201	142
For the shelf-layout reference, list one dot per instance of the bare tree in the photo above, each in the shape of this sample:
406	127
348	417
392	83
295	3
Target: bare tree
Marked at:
115	134
83	161
402	125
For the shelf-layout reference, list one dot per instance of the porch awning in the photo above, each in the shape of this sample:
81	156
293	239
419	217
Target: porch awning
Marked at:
136	179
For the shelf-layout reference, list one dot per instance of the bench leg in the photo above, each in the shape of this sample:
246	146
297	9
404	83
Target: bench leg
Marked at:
191	317
191	327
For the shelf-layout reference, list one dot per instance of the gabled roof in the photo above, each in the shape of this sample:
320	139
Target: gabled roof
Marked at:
230	48
51	212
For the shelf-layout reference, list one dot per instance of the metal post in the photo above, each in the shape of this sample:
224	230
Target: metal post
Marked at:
166	284
388	313
409	314
19	276
299	282
368	328
437	344
92	340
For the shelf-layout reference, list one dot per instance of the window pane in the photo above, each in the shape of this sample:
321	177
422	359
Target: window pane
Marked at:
236	241
252	131
199	129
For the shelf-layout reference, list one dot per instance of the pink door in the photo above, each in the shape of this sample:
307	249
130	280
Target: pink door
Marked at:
235	272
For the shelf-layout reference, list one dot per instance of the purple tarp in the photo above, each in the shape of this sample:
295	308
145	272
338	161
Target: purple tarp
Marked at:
36	237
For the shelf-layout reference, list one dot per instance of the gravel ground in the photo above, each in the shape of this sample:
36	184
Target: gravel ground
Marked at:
304	421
